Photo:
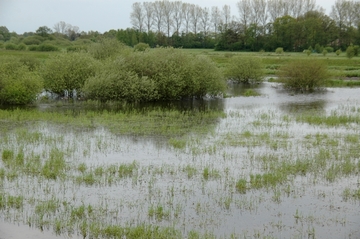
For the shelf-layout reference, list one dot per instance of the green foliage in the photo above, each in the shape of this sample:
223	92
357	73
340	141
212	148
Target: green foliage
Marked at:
318	48
18	84
21	47
114	82
43	31
279	50
159	74
356	50
350	52
107	48
303	74
47	47
245	69
329	49
338	52
324	52
308	52
10	46
68	71
77	48
31	62
141	47
33	40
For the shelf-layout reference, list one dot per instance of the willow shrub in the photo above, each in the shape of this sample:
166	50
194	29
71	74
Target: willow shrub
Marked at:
68	71
18	83
304	74
107	48
245	69
113	82
158	74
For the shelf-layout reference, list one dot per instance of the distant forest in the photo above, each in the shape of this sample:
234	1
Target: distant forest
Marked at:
294	25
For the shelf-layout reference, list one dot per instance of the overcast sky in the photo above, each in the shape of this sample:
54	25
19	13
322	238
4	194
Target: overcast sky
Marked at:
98	15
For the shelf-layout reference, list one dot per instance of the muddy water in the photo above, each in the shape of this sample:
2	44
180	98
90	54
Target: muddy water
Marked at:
303	207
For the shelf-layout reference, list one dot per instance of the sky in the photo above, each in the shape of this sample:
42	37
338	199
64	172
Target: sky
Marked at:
89	15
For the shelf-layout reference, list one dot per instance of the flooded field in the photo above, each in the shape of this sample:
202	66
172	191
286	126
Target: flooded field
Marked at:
279	165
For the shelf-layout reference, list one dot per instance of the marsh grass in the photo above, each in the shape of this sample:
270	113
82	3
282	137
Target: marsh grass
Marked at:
248	164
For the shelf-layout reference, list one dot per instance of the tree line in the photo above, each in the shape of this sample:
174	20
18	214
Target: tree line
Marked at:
294	25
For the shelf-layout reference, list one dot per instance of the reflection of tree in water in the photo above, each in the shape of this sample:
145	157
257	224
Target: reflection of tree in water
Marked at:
314	107
239	89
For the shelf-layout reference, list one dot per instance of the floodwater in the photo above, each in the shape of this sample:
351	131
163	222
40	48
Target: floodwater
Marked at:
303	206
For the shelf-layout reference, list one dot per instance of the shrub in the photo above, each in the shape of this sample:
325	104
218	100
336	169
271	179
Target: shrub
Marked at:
10	46
303	74
47	47
350	52
159	74
308	52
329	49
141	47
32	40
30	62
114	83
245	70
67	71
107	48
21	47
78	48
338	52
18	85
32	48
324	52
279	50
318	48
356	50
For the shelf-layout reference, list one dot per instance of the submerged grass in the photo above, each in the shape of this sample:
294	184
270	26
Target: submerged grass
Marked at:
87	181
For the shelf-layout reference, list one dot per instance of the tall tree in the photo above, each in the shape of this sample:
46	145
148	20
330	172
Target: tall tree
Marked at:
4	33
158	15
61	27
339	13
168	9
215	18
196	12
186	12
43	31
275	9
178	16
245	13
205	20
148	16
137	16
226	15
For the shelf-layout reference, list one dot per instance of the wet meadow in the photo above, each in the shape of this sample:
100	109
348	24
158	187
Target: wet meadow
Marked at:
262	162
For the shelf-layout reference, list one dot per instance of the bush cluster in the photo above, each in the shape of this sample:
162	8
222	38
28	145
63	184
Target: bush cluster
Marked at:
245	70
303	74
160	74
18	83
67	71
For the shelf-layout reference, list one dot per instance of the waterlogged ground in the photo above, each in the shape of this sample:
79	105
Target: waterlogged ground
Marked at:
279	165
